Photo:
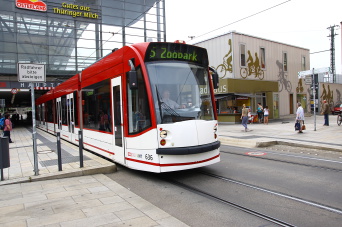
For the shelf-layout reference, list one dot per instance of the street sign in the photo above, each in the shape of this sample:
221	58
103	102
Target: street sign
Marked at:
308	79
31	72
302	74
14	91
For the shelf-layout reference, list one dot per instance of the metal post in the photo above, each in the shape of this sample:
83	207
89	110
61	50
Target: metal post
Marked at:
1	165
59	153
314	95
34	136
80	146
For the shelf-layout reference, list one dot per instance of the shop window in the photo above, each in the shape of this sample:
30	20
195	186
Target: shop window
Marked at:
263	57
285	62
242	55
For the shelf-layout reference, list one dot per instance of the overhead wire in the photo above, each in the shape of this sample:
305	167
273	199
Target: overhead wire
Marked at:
113	33
244	18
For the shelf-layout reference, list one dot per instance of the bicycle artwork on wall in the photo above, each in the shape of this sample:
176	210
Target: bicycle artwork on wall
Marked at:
253	67
283	82
226	66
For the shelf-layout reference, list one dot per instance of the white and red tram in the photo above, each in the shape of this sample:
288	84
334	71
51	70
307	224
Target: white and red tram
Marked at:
122	105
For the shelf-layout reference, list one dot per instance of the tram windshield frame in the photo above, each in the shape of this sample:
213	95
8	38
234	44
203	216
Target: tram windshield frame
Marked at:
187	85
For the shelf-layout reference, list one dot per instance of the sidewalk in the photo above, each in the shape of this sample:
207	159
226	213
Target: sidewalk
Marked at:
282	132
72	197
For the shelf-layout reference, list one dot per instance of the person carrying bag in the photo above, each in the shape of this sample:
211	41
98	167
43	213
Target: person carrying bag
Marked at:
300	117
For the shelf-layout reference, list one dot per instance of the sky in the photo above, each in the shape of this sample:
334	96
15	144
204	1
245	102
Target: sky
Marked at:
301	23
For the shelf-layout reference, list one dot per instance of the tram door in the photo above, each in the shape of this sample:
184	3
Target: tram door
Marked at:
70	114
119	148
59	114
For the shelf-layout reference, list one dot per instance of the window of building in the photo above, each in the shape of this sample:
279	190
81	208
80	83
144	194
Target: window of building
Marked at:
263	57
242	55
96	106
285	62
303	63
139	117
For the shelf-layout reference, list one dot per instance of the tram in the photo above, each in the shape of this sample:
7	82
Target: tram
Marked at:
147	106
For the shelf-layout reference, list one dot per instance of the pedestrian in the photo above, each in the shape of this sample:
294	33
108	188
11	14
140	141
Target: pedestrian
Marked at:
300	116
8	127
266	113
260	112
244	116
325	112
106	122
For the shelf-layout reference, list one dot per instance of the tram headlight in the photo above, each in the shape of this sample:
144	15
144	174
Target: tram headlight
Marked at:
163	134
215	131
215	128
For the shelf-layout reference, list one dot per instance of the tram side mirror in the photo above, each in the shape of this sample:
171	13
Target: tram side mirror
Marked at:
132	79
215	77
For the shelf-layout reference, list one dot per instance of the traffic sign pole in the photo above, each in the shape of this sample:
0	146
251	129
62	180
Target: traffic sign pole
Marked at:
314	95
34	133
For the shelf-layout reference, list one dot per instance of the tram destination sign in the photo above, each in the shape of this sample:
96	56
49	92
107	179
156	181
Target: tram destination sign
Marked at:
28	72
176	52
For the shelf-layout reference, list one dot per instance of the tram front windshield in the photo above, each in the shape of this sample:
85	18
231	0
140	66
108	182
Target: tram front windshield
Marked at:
181	91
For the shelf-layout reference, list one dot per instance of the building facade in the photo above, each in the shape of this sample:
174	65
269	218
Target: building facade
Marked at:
67	36
253	70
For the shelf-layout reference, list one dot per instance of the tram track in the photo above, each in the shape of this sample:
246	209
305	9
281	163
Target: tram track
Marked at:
290	162
200	190
232	204
321	206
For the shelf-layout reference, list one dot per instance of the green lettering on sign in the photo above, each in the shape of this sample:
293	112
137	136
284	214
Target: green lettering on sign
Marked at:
176	52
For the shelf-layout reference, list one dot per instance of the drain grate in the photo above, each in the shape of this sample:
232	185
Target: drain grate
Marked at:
65	160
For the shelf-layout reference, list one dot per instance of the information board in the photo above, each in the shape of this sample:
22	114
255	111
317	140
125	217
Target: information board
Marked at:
28	72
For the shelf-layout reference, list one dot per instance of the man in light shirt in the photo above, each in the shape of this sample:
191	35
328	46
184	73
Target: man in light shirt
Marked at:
300	116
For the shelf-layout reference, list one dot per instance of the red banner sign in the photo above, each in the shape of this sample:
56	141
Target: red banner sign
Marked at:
35	5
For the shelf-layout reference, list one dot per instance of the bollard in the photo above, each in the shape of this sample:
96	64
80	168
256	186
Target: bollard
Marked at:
80	145
59	153
4	155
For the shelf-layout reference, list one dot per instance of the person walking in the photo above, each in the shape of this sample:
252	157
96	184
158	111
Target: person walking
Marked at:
266	113
244	116
300	116
325	112
260	112
8	127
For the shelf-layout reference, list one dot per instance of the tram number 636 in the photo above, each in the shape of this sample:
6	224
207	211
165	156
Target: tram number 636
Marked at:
148	157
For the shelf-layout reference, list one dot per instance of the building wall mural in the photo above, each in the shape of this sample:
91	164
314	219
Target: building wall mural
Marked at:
227	63
253	67
330	92
283	81
300	88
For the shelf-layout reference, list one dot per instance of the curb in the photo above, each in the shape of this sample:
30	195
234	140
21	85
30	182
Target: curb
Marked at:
253	143
63	174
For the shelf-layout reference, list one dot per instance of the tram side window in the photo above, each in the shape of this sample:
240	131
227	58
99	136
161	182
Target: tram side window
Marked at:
49	112
97	114
75	99
139	117
64	110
